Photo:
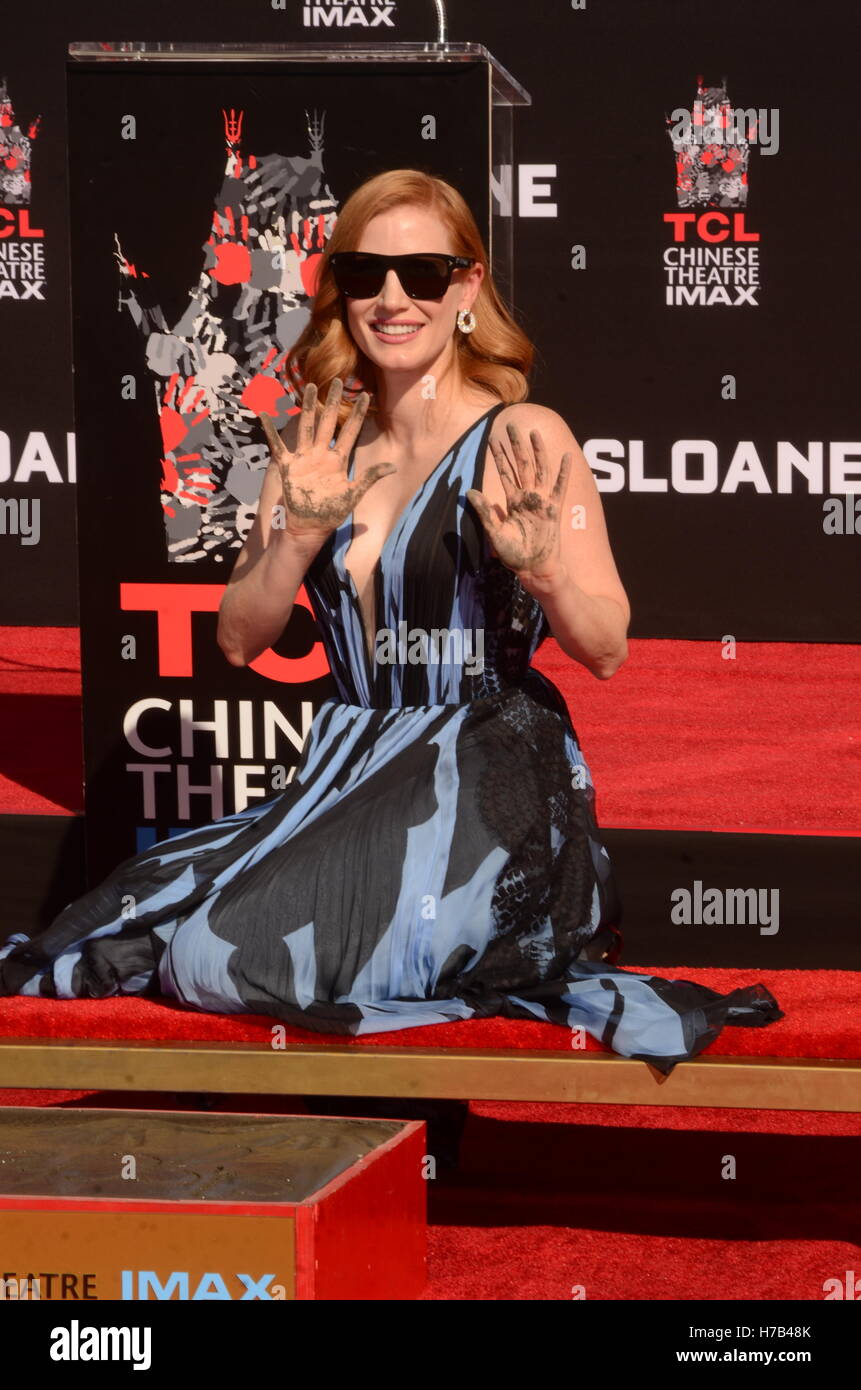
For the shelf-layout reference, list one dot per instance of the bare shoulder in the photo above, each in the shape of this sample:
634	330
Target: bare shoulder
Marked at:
529	415
556	438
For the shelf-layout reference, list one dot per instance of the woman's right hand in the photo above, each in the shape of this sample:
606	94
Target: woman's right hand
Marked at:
318	494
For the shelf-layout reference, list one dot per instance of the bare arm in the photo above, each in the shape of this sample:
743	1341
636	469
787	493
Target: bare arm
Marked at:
555	537
590	628
268	573
307	479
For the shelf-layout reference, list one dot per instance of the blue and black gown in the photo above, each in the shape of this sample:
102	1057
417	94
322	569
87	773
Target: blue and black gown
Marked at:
437	854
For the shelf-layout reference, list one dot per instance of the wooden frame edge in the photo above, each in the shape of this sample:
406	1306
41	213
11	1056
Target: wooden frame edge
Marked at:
768	1083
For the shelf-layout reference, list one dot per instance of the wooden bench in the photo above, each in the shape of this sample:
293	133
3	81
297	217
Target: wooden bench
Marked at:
809	1060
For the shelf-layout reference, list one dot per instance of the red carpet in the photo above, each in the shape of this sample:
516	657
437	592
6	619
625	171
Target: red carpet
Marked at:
679	738
623	1202
619	1202
41	766
611	1202
822	1008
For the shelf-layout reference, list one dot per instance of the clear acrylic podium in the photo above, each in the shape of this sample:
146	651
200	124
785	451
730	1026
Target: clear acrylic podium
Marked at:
504	93
205	181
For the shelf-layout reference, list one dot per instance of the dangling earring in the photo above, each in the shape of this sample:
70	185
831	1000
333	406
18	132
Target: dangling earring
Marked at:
465	320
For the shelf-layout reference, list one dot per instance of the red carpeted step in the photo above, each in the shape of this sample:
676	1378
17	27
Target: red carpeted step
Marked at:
678	739
618	1202
532	1263
822	1008
682	739
41	765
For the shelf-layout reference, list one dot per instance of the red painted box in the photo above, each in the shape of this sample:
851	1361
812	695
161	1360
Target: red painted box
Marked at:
136	1204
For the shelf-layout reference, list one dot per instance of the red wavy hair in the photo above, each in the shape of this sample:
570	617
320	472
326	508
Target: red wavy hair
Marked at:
497	356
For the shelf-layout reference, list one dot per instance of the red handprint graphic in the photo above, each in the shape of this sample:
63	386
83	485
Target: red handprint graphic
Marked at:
221	364
15	152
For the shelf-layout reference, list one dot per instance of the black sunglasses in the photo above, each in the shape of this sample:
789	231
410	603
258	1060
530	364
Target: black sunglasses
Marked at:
361	274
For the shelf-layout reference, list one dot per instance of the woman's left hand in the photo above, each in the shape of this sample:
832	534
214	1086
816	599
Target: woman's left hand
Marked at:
526	537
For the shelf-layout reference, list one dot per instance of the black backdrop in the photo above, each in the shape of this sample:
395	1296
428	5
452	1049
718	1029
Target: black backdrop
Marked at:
613	358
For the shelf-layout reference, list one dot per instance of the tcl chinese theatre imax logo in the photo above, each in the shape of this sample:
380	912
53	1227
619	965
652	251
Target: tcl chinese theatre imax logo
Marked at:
714	254
22	246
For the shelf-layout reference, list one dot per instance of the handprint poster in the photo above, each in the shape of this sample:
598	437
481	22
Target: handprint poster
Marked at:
202	197
712	156
218	365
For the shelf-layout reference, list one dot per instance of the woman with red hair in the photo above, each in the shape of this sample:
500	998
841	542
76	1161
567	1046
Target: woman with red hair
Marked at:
436	855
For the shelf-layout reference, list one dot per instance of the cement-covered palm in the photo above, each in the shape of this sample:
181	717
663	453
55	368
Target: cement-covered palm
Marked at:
526	536
318	494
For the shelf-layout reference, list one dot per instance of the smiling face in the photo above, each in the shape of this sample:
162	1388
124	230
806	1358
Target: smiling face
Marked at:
431	323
